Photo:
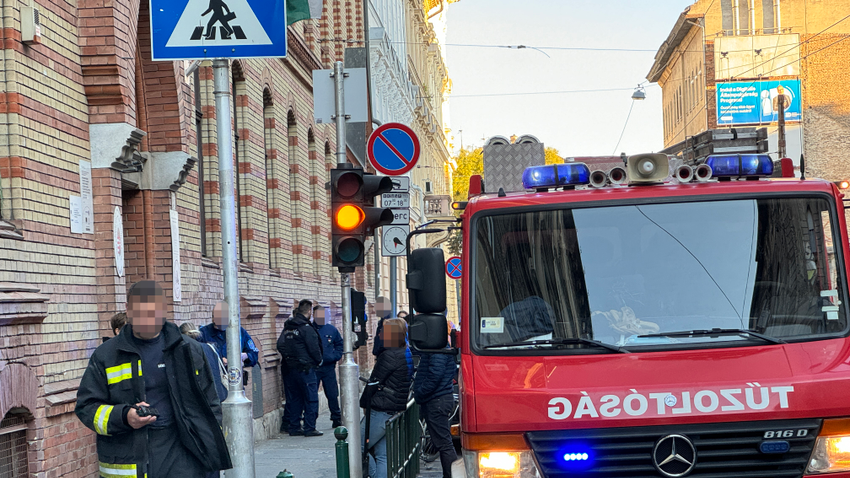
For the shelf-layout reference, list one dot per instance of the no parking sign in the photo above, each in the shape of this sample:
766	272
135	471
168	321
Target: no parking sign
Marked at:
453	268
393	149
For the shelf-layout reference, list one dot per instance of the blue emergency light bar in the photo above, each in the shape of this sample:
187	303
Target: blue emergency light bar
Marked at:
555	175
740	165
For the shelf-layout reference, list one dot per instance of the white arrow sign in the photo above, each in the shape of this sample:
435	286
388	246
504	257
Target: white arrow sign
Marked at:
202	20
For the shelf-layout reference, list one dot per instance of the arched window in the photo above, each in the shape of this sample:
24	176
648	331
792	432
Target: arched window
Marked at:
330	163
13	445
295	189
317	180
271	154
238	91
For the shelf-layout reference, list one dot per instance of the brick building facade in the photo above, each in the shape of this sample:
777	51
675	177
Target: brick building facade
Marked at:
749	41
85	96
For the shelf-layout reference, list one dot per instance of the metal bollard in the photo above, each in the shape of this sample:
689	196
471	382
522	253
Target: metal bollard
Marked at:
284	474
342	469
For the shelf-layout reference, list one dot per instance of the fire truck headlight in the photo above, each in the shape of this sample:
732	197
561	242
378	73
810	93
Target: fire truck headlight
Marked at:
500	464
832	448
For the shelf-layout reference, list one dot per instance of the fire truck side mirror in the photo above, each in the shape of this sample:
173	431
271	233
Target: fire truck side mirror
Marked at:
427	332
426	281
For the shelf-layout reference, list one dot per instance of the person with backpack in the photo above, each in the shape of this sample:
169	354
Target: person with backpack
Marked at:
302	350
287	385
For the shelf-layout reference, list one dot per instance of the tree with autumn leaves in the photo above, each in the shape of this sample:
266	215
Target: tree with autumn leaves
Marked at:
469	163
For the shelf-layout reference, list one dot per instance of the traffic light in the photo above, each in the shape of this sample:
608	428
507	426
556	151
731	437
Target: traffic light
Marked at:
354	215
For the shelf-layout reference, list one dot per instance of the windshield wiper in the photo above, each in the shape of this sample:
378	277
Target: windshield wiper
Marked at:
565	341
716	332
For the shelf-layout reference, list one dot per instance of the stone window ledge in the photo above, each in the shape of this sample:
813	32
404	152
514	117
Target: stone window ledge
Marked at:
9	231
21	304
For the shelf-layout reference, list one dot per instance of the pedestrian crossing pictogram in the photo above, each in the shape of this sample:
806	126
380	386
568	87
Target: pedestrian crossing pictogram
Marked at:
207	29
218	23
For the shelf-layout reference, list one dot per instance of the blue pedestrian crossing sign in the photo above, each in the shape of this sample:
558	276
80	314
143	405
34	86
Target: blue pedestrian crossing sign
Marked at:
207	29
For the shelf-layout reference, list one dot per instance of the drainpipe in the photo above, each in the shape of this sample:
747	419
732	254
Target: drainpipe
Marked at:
5	144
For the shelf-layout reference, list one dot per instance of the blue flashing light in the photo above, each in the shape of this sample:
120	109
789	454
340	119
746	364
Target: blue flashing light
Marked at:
576	457
738	165
775	447
555	175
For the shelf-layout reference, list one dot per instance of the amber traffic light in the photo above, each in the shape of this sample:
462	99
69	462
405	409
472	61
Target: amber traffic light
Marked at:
354	215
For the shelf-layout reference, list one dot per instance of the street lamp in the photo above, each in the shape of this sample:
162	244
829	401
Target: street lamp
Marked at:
638	95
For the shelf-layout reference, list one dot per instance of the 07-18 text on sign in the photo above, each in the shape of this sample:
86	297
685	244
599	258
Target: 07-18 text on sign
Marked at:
207	29
395	200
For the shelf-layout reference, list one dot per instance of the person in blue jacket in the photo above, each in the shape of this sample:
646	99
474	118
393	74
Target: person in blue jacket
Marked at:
214	333
432	390
190	330
331	354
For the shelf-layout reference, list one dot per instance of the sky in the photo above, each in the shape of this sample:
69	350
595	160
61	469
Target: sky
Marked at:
577	124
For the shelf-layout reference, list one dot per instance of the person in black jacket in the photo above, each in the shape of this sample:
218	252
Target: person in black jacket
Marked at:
287	385
180	436
302	350
218	368
387	392
432	389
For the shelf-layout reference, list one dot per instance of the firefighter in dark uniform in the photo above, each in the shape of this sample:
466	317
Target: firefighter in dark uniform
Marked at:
149	395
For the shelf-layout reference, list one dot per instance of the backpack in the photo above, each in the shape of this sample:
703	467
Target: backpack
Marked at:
291	337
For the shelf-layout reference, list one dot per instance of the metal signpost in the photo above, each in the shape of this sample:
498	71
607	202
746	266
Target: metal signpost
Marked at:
220	31
393	149
349	371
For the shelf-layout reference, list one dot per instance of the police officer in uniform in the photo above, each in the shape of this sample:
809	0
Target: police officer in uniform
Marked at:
303	353
332	352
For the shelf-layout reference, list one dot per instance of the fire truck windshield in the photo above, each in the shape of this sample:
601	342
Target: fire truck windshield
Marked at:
641	276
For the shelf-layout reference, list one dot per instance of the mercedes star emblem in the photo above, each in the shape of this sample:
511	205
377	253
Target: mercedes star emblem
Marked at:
674	456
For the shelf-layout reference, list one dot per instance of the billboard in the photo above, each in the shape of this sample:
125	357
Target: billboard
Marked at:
756	102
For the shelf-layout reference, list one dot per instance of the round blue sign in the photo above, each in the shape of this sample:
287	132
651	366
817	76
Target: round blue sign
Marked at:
453	268
393	149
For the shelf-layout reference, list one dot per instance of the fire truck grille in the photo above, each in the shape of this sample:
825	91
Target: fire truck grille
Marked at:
742	449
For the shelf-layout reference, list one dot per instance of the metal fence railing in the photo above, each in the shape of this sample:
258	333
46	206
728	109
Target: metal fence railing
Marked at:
403	435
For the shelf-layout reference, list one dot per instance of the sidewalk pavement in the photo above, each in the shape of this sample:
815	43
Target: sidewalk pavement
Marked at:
304	457
310	457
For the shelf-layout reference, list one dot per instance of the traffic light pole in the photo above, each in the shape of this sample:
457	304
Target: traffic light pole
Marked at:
349	371
394	285
238	425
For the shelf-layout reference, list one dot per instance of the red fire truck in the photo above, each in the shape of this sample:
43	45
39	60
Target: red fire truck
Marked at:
649	325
